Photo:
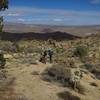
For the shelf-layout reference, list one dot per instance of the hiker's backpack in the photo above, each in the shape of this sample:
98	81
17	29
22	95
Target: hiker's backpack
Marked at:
50	52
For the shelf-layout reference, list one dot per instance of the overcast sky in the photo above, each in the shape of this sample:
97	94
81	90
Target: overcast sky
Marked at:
54	12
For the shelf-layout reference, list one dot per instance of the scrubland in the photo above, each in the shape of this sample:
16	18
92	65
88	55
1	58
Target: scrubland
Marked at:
25	78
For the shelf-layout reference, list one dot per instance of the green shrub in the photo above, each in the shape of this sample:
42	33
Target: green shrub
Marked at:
61	73
31	49
88	66
15	47
6	46
60	50
77	73
81	52
57	72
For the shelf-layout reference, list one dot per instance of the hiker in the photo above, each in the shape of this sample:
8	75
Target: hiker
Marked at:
46	53
2	60
43	58
50	54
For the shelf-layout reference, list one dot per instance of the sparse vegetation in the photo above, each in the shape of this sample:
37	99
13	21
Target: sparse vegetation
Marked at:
35	73
81	52
15	47
75	69
68	56
60	50
88	66
61	73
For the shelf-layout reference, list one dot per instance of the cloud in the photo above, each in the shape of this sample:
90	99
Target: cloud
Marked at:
21	20
28	11
50	16
57	20
13	14
10	14
95	1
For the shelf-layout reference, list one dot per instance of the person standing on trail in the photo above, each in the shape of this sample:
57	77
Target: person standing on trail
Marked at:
50	54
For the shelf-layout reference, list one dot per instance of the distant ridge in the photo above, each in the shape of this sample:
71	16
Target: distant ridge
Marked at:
37	36
74	30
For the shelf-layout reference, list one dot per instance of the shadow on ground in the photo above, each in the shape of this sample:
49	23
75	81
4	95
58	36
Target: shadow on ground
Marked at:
67	96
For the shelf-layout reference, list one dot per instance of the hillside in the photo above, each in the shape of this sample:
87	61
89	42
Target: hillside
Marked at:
75	30
24	77
59	36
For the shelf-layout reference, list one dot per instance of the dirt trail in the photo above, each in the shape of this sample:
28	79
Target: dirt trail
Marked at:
32	86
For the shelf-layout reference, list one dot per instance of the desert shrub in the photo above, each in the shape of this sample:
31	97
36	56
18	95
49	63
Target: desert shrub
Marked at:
15	47
88	66
35	73
6	46
47	78
81	52
77	73
59	50
96	68
31	49
66	95
62	74
58	69
9	46
28	49
21	49
56	72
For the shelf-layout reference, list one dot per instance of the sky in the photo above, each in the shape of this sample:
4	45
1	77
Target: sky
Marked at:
53	12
